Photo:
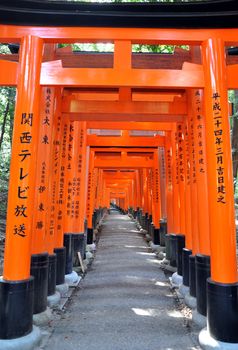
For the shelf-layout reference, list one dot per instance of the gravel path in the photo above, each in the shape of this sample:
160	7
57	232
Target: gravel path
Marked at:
124	302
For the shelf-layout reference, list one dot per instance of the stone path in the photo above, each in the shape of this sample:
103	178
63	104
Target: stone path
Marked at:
124	302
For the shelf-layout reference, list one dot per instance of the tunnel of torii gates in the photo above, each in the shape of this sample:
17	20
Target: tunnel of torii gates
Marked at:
64	170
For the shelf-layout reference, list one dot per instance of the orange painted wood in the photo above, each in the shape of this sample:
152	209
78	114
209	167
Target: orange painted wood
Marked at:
128	141
219	165
201	172
169	182
41	236
23	162
54	214
11	33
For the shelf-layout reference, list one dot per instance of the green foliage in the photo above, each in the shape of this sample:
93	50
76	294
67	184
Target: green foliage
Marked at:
7	98
109	47
7	106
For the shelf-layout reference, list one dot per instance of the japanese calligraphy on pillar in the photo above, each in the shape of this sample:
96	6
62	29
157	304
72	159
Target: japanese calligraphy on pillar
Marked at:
218	140
187	160
169	167
89	193
180	152
24	155
156	184
192	151
76	187
199	131
69	165
162	162
42	176
176	158
60	200
55	167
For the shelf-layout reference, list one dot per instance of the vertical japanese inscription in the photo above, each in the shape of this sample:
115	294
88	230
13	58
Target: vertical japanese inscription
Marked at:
193	177
187	160
180	140
43	166
218	140
21	210
176	158
169	167
199	132
60	200
69	169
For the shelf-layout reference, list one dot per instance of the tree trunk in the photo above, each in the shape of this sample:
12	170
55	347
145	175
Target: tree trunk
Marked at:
4	120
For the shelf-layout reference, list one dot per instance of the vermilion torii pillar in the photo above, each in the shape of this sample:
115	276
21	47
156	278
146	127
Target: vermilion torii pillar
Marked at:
75	196
40	237
193	245
222	295
16	286
202	258
169	182
187	250
156	199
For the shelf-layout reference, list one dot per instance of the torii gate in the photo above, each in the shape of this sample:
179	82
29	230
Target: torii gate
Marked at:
205	84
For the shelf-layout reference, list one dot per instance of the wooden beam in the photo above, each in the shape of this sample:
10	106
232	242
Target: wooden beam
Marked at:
125	141
123	149
162	118
128	164
115	125
8	76
121	108
13	33
99	77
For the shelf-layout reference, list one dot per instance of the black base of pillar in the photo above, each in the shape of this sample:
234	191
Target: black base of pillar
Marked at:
52	274
60	265
180	244
222	311
185	257
192	276
173	249
163	232
16	308
68	253
90	236
167	246
149	223
78	242
203	272
156	236
39	270
140	217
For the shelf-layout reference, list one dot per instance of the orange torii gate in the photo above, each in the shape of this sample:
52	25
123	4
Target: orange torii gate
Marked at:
115	158
188	175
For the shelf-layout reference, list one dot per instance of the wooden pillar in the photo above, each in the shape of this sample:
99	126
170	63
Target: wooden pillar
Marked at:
43	169
193	179
156	192
90	193
145	191
222	287
21	195
201	172
82	170
161	153
41	238
169	183
53	200
181	170
188	218
175	179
